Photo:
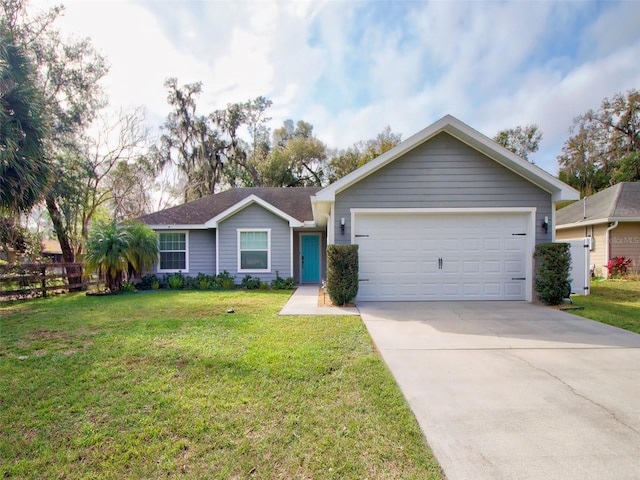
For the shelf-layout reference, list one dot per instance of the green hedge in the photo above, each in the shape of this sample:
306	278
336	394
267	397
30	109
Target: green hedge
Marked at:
342	273
553	264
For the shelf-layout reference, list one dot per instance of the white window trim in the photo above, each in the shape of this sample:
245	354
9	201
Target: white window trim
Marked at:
239	252
186	252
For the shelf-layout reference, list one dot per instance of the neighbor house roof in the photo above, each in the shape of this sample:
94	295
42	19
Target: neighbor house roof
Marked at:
620	202
289	203
463	132
51	247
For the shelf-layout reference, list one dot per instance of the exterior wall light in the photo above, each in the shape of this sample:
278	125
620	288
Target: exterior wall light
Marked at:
342	221
545	225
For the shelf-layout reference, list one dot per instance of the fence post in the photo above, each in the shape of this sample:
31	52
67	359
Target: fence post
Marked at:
43	270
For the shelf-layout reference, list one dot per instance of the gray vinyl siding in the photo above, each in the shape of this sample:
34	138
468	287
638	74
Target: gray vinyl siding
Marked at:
202	252
442	173
254	216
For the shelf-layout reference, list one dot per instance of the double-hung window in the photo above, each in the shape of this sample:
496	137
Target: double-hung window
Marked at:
254	250
173	251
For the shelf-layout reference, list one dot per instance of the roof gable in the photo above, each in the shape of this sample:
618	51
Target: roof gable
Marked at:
250	200
469	136
617	203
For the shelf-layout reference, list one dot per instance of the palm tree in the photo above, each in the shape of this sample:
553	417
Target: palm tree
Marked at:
107	249
143	248
24	172
114	250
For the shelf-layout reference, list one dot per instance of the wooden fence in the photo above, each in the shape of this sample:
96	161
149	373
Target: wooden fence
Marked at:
35	279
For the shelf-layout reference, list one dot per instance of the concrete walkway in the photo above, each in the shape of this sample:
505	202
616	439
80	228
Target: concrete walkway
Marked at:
512	390
304	301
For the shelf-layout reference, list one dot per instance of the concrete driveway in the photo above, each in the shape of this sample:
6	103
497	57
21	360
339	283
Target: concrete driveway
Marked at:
512	390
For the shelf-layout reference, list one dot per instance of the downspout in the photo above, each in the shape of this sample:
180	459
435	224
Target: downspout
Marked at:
607	248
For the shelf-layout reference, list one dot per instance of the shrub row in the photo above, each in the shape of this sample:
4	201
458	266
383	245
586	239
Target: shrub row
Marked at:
222	281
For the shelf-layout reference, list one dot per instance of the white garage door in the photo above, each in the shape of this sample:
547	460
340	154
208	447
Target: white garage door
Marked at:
443	256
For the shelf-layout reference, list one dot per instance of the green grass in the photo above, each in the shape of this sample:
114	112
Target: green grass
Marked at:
168	385
615	302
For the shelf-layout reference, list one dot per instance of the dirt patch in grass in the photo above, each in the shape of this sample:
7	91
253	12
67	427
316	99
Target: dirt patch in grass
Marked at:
49	335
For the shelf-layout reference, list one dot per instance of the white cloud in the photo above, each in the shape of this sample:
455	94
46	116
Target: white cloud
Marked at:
351	68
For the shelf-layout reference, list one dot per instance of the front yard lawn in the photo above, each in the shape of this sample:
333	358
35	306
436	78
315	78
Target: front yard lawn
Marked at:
616	302
168	385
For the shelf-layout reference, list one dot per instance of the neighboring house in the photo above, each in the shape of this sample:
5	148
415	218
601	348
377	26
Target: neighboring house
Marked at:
448	214
51	250
611	218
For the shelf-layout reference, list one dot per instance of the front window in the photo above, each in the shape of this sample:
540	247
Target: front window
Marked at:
173	251
254	250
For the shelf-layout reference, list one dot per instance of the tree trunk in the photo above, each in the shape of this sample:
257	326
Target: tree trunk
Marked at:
74	274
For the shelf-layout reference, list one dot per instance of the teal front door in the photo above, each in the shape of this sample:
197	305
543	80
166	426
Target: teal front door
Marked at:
310	258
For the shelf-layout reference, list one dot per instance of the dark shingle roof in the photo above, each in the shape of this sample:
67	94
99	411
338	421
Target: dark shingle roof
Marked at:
615	203
295	202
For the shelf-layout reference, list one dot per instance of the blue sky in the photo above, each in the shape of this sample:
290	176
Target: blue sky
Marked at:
352	67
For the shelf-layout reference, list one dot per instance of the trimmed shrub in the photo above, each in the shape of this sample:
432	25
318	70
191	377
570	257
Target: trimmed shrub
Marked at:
342	273
224	281
280	283
204	281
148	282
228	284
553	264
175	281
250	283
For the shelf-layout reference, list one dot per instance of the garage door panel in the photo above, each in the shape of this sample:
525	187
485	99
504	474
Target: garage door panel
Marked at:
514	267
492	266
491	245
515	289
471	267
471	245
400	256
451	245
514	244
472	289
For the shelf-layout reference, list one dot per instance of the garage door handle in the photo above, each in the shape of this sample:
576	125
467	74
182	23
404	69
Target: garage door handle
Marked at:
440	264
519	278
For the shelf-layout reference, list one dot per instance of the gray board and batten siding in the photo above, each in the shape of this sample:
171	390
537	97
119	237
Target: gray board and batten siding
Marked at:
443	172
255	217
